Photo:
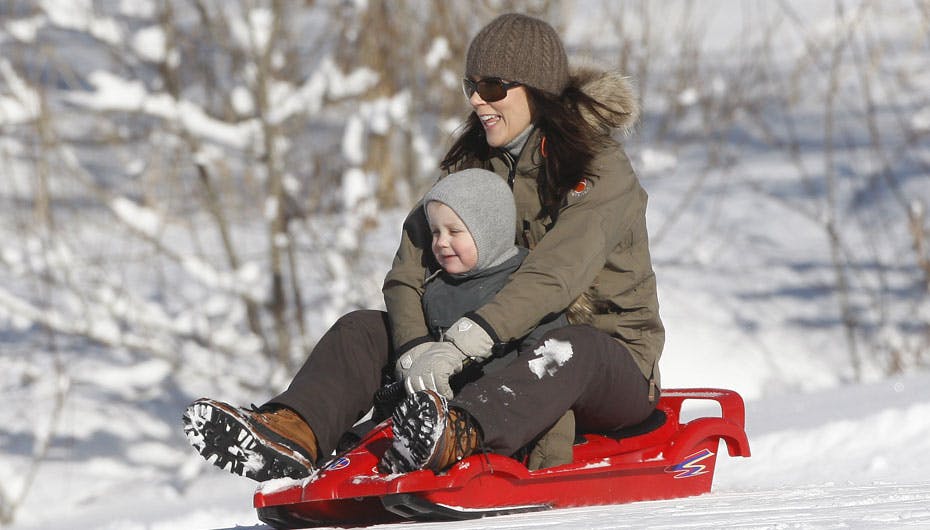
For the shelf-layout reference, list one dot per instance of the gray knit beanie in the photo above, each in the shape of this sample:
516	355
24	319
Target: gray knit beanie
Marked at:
519	48
484	202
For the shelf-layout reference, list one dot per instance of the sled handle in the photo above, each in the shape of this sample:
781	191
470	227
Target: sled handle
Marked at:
731	403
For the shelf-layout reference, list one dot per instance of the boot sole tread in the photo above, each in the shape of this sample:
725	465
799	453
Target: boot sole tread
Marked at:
228	440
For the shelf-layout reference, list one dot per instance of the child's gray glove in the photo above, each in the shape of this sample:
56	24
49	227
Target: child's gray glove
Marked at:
470	338
432	369
405	362
431	364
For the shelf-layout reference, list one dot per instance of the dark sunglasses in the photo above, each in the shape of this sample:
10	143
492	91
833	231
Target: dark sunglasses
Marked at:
490	89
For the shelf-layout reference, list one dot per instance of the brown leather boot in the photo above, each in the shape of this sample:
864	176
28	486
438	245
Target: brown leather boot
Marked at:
260	444
291	427
428	435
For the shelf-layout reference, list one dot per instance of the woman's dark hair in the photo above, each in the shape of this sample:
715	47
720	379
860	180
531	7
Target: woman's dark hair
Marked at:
573	125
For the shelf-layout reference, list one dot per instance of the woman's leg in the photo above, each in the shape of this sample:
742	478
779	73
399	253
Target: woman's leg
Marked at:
334	387
574	368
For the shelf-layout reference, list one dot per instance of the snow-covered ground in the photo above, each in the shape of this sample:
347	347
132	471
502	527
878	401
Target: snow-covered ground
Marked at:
855	457
747	278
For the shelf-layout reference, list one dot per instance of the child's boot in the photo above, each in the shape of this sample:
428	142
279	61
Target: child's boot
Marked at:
428	435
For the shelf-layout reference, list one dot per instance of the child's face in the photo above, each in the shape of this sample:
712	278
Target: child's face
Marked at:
453	246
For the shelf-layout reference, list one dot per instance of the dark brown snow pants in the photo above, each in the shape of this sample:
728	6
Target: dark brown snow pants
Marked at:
598	380
336	385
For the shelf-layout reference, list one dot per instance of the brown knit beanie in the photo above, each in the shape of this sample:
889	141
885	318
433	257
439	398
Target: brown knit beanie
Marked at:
519	48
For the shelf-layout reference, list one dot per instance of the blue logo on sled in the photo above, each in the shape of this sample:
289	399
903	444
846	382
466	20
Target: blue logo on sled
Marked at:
691	466
339	463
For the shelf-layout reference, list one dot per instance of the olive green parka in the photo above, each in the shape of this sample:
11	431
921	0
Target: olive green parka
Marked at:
597	249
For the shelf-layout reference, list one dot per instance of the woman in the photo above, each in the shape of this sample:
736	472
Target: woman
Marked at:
580	212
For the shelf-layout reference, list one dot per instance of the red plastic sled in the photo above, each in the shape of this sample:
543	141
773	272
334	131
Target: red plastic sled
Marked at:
662	458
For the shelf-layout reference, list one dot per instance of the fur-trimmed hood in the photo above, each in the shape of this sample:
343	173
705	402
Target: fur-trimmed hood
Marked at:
613	90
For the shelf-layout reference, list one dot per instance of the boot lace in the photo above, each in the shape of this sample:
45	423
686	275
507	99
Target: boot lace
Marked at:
466	435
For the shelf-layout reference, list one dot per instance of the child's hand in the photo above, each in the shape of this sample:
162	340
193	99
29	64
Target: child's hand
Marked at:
470	338
406	361
433	368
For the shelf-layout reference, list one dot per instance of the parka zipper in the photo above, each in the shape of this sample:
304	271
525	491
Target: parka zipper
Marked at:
511	176
511	167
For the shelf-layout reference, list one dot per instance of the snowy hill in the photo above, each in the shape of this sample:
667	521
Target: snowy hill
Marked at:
784	147
853	457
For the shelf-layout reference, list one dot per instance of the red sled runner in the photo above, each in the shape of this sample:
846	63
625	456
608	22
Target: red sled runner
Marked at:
662	458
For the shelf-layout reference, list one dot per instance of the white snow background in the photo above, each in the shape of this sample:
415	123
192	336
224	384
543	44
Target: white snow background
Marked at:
744	292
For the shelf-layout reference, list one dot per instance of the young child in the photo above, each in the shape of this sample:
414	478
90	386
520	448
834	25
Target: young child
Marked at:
472	217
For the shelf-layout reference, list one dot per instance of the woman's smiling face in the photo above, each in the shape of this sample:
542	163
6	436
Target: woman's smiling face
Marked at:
505	119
